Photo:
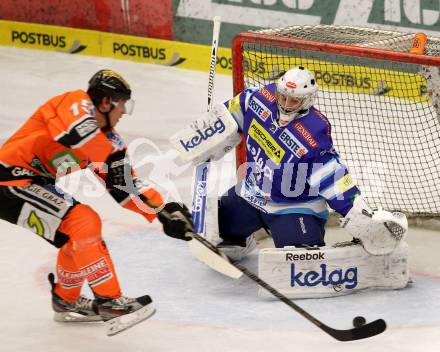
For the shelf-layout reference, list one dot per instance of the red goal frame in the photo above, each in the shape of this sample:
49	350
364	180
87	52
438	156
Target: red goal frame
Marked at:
287	42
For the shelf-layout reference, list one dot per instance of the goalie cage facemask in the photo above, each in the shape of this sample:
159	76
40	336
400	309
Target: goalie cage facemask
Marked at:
299	84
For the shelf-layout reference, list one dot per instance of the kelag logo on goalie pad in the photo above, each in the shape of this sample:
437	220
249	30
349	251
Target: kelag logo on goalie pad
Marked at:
324	278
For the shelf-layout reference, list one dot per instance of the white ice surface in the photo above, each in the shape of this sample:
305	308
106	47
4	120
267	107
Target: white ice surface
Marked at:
197	309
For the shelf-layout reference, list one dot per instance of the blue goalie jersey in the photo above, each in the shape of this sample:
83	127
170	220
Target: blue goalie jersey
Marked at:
292	168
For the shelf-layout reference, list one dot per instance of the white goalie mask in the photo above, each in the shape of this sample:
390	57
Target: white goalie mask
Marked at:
296	92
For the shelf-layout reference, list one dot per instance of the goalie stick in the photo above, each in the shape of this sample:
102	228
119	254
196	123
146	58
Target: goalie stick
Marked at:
196	246
202	170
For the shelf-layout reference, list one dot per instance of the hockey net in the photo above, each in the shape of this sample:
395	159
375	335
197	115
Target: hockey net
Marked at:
381	100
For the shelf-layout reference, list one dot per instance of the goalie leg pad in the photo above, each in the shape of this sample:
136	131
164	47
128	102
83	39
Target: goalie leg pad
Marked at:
331	271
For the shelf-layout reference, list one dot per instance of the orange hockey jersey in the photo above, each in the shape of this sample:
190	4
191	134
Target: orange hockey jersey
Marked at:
60	137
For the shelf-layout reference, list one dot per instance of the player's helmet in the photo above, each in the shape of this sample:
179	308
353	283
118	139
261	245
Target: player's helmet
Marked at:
108	83
296	92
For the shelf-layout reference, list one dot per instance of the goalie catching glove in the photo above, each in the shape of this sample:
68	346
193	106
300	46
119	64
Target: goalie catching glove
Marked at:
380	231
176	221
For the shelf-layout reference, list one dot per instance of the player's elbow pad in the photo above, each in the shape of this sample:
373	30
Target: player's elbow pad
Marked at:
208	138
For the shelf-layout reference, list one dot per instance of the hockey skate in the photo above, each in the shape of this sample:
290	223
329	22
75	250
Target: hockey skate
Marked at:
123	312
237	248
82	310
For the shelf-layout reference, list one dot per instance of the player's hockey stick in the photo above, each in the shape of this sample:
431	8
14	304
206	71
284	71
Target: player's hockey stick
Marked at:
202	249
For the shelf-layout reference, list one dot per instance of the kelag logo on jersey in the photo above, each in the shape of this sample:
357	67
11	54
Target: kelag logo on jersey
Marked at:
259	109
324	278
291	142
217	127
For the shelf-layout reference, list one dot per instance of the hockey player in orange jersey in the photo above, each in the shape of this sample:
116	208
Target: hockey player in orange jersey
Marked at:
72	131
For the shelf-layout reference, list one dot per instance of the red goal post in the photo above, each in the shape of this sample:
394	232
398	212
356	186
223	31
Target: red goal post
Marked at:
383	103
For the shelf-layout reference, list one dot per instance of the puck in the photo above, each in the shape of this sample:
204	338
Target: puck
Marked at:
359	321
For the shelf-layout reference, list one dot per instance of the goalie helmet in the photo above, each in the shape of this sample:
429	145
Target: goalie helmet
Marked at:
295	93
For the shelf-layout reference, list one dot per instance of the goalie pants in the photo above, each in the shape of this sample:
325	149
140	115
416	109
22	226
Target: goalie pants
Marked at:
72	227
238	220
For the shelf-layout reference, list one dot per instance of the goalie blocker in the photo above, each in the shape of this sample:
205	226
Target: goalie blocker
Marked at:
342	269
207	138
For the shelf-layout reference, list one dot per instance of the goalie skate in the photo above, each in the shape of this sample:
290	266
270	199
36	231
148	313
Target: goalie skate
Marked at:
123	313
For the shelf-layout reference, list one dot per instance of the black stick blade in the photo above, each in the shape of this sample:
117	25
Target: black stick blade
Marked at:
363	332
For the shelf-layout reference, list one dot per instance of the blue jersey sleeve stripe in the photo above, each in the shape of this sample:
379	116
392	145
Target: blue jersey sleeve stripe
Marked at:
247	96
331	192
239	119
334	190
332	179
344	204
325	171
236	112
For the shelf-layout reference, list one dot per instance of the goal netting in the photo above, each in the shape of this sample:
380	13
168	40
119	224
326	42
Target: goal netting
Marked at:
380	99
